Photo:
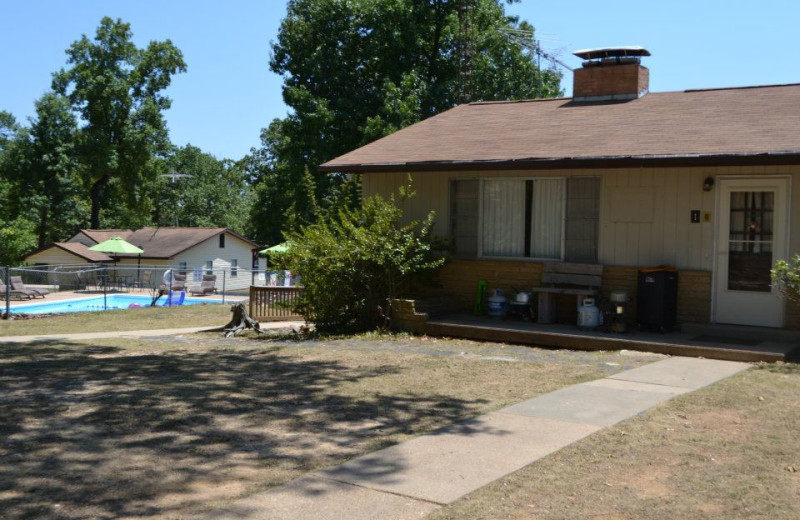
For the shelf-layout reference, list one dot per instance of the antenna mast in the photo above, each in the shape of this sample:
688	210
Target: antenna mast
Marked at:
466	49
524	39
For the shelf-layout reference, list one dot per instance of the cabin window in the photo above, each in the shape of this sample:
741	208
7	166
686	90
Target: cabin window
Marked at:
234	268
523	218
222	240
550	218
182	267
209	267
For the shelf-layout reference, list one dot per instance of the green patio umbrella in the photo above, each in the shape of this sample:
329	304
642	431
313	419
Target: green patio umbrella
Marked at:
116	246
280	248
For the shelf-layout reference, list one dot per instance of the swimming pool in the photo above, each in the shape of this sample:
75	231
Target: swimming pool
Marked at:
95	303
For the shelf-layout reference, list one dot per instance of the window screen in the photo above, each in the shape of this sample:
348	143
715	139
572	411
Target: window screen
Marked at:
523	218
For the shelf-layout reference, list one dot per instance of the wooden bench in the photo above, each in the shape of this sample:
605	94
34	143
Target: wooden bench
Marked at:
582	280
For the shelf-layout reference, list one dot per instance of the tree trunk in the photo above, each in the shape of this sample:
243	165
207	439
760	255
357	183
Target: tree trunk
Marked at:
240	321
96	196
43	229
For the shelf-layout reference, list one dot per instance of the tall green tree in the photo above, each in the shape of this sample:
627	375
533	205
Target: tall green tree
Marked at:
117	90
357	70
44	175
8	129
207	192
17	234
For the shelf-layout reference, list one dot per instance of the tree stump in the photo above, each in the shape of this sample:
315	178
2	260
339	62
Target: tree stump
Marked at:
240	321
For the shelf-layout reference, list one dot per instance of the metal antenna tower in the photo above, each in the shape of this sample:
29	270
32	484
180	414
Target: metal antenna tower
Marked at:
524	38
466	49
175	176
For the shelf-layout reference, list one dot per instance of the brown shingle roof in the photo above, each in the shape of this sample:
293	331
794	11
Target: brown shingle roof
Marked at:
78	249
166	242
101	235
722	123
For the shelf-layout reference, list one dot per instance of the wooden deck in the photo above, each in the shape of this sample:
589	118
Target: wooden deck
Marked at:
709	341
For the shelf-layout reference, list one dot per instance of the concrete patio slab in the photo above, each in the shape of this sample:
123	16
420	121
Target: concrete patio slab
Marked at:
322	499
589	404
683	372
447	464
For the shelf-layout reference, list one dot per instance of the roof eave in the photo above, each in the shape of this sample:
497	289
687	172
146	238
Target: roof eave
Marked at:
548	163
77	253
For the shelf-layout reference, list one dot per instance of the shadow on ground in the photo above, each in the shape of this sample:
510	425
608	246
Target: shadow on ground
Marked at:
103	432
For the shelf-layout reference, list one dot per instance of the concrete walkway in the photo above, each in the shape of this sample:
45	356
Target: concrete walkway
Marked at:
412	479
136	333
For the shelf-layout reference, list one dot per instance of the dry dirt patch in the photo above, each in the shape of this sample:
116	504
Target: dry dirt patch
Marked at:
166	427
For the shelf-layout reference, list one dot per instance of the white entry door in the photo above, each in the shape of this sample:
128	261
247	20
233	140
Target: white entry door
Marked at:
752	229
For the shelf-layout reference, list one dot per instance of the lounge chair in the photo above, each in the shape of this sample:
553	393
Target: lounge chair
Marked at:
18	295
178	282
145	279
18	285
207	286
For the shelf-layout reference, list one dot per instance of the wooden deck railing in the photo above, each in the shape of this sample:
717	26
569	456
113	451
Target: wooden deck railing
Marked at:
273	303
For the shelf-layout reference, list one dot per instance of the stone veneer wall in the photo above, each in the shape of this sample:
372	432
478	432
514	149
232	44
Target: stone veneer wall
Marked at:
460	279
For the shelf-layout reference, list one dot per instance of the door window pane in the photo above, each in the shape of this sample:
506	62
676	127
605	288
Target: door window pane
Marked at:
750	240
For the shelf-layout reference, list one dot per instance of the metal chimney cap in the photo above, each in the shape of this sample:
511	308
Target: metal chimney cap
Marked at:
611	52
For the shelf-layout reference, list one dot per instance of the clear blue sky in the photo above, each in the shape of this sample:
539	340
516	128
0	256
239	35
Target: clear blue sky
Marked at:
229	94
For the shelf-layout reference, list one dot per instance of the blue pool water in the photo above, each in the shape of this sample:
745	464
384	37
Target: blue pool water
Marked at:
95	303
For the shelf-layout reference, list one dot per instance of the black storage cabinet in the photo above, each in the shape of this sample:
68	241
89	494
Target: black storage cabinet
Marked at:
657	298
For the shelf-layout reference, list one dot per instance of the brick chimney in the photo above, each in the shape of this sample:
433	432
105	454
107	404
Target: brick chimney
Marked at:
611	74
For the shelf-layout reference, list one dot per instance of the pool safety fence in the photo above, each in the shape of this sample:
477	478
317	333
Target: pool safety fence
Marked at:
24	284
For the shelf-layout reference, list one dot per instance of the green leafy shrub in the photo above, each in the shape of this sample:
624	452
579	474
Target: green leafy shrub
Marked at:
355	261
17	238
786	278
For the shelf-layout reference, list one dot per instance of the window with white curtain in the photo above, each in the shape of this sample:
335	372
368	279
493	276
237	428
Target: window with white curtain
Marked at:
523	217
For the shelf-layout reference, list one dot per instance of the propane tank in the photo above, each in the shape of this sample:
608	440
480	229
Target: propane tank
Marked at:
589	316
497	304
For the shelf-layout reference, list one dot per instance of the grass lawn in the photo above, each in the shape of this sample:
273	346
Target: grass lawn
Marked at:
120	320
729	451
167	427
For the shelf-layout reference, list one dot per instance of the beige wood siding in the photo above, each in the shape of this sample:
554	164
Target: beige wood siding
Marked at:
432	195
654	229
235	248
54	255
